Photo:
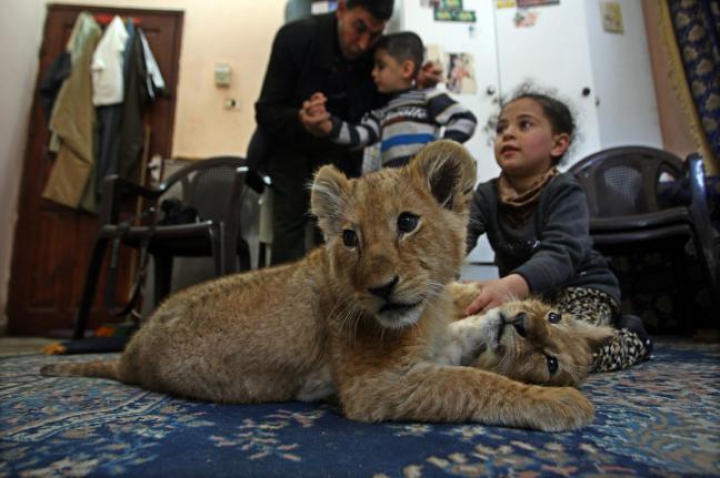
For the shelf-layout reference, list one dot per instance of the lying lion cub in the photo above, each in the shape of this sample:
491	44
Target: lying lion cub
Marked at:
367	315
526	340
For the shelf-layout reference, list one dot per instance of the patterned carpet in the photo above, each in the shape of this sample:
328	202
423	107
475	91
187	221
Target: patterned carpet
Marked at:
661	418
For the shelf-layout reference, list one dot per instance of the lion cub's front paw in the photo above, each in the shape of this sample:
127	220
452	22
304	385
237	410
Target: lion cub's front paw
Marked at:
560	409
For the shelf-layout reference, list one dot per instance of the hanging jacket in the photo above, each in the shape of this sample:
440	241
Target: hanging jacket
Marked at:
73	119
52	81
109	117
137	99
155	80
107	65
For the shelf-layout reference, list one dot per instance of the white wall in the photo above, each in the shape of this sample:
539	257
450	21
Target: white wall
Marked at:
21	23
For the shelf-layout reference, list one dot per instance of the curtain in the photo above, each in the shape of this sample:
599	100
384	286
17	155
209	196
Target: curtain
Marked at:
692	31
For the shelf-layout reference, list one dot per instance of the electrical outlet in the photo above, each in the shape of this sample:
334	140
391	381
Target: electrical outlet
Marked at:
231	104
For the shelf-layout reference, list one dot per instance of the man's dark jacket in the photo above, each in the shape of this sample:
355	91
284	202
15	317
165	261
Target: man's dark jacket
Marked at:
306	59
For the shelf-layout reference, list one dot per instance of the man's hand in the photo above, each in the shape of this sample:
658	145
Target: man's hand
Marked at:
314	117
430	75
496	292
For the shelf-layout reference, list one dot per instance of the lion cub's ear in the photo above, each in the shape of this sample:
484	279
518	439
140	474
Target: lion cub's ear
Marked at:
449	172
329	188
594	335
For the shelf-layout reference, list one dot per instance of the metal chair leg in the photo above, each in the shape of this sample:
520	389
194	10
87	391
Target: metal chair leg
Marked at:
163	277
88	295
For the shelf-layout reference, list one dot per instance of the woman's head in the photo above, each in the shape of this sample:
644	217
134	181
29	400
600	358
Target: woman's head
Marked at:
534	131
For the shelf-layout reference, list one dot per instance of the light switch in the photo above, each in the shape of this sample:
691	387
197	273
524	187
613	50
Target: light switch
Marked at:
223	74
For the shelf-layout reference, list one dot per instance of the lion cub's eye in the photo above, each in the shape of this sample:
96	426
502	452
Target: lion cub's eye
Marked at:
552	364
554	318
350	238
407	222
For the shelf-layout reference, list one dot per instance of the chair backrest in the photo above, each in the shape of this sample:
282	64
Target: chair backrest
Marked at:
626	180
208	186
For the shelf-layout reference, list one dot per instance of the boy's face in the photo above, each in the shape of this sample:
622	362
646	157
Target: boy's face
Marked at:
389	75
358	30
526	145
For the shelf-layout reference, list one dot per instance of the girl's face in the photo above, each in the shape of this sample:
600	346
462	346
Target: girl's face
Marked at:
389	75
526	145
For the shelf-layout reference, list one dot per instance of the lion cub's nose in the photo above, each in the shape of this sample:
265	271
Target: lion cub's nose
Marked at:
384	290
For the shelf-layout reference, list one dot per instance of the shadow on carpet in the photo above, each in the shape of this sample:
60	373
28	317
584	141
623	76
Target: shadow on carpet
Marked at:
660	418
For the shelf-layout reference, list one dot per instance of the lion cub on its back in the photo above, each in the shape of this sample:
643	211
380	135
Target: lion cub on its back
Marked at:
366	315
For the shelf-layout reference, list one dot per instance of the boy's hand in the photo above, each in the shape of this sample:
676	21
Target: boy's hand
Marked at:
314	117
315	105
494	293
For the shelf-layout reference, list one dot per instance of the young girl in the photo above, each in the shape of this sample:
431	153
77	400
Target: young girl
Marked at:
537	222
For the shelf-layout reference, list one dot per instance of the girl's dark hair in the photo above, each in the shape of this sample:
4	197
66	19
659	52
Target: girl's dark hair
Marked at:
380	9
558	113
403	46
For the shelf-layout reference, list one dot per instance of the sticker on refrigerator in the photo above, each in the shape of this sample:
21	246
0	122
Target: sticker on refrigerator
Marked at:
452	11
525	19
430	3
452	15
536	3
612	17
460	77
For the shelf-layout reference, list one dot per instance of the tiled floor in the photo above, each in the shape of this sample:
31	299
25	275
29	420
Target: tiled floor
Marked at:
10	346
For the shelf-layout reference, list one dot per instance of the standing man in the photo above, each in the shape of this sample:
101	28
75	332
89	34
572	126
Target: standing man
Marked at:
326	53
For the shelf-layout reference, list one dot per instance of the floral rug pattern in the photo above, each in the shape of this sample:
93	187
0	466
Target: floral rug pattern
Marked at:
661	418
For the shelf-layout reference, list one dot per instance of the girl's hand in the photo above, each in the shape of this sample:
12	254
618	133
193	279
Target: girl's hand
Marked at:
494	293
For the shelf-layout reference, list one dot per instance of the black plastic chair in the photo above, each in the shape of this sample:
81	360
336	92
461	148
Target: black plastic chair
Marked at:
638	195
214	187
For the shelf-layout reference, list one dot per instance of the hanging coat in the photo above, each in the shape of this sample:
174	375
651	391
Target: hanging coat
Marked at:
73	119
137	99
155	80
52	81
109	67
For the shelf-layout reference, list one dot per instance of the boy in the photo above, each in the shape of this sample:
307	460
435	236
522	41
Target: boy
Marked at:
411	119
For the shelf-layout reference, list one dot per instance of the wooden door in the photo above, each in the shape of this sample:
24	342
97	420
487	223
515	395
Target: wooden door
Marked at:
53	243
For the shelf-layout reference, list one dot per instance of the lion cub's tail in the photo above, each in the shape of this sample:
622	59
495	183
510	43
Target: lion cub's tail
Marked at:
98	368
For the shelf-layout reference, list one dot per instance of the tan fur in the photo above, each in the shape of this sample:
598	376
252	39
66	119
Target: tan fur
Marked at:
302	330
519	341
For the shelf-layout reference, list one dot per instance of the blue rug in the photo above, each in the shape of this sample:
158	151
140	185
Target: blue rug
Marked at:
660	418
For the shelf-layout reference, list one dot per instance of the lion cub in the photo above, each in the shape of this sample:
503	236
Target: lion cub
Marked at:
526	340
366	315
